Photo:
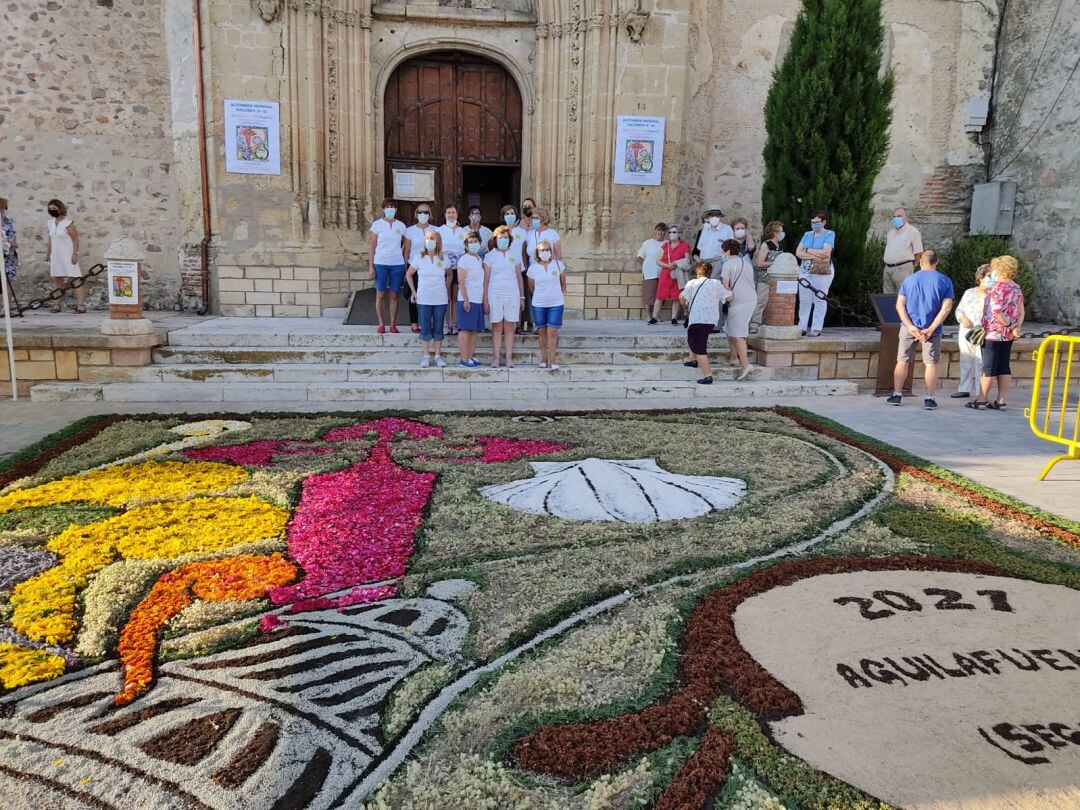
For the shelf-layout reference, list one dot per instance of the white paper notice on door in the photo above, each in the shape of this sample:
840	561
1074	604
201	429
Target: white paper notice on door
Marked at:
414	185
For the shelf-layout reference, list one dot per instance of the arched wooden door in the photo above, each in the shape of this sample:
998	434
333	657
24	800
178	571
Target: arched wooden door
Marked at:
460	115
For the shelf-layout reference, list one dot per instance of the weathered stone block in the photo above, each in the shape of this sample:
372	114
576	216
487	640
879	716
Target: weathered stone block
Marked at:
67	365
852	369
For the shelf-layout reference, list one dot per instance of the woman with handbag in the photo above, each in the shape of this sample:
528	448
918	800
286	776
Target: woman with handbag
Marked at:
815	251
667	288
1003	315
737	276
702	298
764	256
969	315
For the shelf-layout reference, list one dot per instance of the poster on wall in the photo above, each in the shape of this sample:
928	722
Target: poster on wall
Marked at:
123	282
414	185
252	137
639	150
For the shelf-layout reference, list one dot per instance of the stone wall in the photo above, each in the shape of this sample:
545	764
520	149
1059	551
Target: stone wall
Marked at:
85	117
1034	144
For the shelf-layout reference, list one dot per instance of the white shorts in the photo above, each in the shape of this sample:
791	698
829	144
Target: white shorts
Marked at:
504	308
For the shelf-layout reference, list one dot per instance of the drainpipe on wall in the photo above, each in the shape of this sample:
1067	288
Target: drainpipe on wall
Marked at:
200	109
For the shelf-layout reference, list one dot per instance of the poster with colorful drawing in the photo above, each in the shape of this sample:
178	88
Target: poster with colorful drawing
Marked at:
639	150
123	282
252	137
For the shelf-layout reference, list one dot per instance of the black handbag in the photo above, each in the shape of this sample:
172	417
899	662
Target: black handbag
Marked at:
976	335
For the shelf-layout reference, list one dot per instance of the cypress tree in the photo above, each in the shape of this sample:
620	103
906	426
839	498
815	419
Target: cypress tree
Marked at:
827	120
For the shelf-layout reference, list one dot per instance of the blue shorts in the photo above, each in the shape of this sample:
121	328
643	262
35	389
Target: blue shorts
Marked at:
471	321
389	277
544	317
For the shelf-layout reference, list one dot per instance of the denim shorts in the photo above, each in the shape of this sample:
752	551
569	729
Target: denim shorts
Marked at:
548	316
389	277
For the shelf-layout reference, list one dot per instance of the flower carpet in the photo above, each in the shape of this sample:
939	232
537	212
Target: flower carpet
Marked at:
715	609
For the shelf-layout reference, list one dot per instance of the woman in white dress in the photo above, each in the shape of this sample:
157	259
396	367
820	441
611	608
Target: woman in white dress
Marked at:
738	276
702	297
969	314
62	245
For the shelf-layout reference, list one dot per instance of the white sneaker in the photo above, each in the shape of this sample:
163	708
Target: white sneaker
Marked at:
439	362
554	366
543	365
425	361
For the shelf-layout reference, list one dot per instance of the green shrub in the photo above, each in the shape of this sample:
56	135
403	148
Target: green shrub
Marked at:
965	255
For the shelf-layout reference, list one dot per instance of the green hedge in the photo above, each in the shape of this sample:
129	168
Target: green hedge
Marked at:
965	255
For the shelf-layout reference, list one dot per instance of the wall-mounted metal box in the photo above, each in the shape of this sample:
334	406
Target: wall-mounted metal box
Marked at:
992	208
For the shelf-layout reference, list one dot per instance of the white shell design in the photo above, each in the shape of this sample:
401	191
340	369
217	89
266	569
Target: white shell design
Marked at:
611	489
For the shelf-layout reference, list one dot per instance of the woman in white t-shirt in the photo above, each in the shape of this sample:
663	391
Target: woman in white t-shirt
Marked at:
702	297
429	283
452	234
470	300
547	283
415	234
504	293
648	257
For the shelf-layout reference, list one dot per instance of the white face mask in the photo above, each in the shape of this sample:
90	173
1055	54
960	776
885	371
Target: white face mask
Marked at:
714	221
474	217
740	233
674	237
389	212
429	244
987	283
423	218
451	221
544	255
473	247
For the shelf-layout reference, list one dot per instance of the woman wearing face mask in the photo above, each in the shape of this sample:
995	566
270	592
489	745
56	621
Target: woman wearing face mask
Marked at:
969	315
452	235
764	257
388	254
547	281
817	244
62	245
504	293
741	234
667	286
11	244
702	297
415	235
429	283
470	300
738	277
1003	315
482	231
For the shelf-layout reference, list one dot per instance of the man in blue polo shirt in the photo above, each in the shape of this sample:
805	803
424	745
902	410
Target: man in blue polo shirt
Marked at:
924	301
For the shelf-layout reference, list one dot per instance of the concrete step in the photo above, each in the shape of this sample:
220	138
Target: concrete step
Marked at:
535	392
410	354
666	337
379	373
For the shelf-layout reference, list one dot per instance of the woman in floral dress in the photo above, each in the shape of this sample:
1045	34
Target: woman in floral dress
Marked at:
1002	317
11	255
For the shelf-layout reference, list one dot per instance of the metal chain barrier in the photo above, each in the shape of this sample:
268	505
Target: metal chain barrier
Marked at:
58	293
832	302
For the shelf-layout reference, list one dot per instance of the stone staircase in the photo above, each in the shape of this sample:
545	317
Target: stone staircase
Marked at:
319	360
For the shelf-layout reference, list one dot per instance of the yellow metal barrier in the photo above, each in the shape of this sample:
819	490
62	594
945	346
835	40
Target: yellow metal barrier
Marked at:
1051	397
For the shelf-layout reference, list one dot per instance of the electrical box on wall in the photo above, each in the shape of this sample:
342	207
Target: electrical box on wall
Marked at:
992	208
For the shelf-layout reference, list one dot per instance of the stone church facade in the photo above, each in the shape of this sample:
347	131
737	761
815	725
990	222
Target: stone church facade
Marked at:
500	98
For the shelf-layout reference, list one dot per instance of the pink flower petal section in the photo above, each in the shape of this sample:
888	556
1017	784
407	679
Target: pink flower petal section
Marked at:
254	454
354	526
497	449
271	621
386	428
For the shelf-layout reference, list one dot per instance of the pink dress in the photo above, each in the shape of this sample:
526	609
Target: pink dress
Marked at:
667	287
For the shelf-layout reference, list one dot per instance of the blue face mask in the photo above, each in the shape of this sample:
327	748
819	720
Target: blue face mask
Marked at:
389	212
817	226
898	222
510	219
536	224
502	242
781	236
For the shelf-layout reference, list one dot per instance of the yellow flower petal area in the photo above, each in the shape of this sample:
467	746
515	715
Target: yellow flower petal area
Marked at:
22	665
130	483
44	605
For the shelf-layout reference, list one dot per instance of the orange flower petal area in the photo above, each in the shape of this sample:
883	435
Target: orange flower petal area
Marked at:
44	605
230	579
129	483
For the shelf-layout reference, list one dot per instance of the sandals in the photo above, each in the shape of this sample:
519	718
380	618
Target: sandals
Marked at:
975	405
81	308
55	308
997	406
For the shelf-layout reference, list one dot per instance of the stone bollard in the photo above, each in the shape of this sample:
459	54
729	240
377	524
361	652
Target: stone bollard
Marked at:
783	299
126	273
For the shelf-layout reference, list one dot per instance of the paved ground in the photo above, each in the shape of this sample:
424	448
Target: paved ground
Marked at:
996	449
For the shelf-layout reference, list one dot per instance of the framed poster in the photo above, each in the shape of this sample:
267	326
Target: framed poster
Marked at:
252	137
123	282
639	150
414	185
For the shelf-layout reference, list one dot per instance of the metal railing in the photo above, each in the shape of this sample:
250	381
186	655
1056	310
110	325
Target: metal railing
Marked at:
1053	404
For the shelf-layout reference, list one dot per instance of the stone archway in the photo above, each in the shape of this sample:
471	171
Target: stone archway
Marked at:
459	115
